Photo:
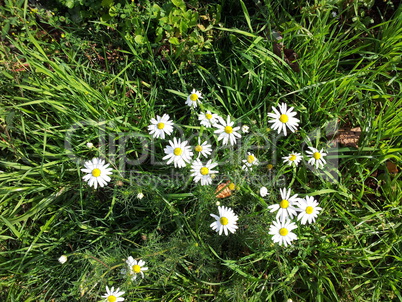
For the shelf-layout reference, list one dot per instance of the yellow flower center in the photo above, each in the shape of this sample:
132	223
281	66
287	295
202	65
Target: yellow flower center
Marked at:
160	126
193	97
198	148
96	172
250	159
136	268
177	151
309	210
224	221
111	299
270	166
232	186
208	116
317	155
292	157
283	231
284	204
204	170
284	118
228	129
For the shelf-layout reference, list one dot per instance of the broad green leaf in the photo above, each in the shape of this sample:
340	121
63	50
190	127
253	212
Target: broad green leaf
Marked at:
70	3
183	27
139	39
180	4
107	3
174	41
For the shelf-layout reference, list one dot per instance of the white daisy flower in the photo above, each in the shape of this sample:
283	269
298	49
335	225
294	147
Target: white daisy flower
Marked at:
317	157
250	162
245	129
308	209
136	267
97	172
208	119
194	98
160	126
263	191
226	221
285	206
63	259
292	159
203	172
113	295
227	132
282	232
283	118
203	149
178	152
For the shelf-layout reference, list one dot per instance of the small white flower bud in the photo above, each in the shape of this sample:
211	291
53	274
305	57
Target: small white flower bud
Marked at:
264	191
245	129
63	259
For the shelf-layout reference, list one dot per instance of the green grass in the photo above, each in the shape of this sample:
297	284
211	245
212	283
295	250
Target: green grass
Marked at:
349	77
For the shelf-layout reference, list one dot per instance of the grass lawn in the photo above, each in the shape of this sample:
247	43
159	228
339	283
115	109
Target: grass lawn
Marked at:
201	194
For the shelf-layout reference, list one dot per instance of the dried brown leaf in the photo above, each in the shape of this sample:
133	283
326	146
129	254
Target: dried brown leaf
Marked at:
349	138
391	167
278	49
223	190
288	55
290	58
